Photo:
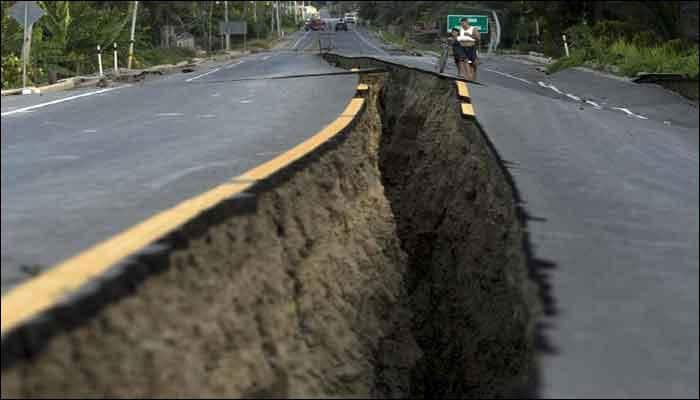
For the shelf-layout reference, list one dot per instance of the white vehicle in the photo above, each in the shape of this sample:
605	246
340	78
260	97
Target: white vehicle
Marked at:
351	18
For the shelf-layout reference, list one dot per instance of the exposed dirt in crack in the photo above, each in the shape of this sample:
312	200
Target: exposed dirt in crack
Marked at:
472	303
388	264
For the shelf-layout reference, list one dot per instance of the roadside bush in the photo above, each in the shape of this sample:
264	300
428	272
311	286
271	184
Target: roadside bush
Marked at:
11	71
611	31
259	44
579	36
645	39
160	56
528	47
628	58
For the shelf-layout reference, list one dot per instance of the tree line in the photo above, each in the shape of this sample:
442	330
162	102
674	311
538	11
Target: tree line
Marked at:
540	24
64	40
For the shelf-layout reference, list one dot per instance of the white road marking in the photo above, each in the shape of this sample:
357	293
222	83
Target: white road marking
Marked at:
207	116
89	131
267	153
204	74
63	158
300	39
216	95
550	87
160	183
169	115
594	104
247	101
265	58
507	75
370	44
630	113
229	66
34	107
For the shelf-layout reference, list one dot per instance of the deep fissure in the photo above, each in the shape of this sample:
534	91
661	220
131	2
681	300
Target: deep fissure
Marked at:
389	264
426	147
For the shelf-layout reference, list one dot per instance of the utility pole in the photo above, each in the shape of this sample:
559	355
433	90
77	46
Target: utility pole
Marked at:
277	13
211	12
25	46
255	19
296	14
133	31
228	37
272	20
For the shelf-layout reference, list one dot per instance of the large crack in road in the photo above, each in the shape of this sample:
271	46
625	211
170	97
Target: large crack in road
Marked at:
389	263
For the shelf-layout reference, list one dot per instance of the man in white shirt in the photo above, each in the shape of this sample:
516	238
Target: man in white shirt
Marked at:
469	37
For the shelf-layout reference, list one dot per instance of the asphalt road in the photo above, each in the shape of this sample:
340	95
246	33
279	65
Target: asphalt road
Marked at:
614	200
79	171
608	172
607	169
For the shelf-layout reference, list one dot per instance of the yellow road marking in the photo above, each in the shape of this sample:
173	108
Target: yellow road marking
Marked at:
353	108
468	110
462	90
42	292
354	69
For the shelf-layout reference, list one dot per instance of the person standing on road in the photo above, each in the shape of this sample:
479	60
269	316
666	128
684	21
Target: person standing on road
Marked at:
459	53
469	37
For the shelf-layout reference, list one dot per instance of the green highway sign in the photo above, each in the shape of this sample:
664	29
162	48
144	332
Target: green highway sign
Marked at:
480	21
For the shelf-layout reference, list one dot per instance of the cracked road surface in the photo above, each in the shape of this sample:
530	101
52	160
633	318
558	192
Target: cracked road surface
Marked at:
78	167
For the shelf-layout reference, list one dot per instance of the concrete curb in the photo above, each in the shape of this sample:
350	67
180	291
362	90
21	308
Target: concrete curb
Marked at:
64	84
530	58
12	92
81	81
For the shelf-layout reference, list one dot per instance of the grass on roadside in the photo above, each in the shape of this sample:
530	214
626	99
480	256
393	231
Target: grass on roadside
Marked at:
625	58
406	44
161	56
393	38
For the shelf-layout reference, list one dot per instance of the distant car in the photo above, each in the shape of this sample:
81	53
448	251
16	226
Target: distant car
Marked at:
351	18
341	25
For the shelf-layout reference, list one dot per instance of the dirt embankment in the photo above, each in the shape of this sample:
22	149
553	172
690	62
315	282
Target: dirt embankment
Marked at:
389	263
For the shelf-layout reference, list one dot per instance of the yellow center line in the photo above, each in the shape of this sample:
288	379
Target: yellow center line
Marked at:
468	110
462	90
43	292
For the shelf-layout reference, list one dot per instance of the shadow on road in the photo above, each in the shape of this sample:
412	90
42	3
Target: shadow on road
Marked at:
29	340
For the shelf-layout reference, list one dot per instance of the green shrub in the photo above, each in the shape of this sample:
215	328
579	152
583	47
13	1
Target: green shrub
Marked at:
11	71
645	39
160	56
260	43
630	58
675	46
579	36
578	57
611	31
